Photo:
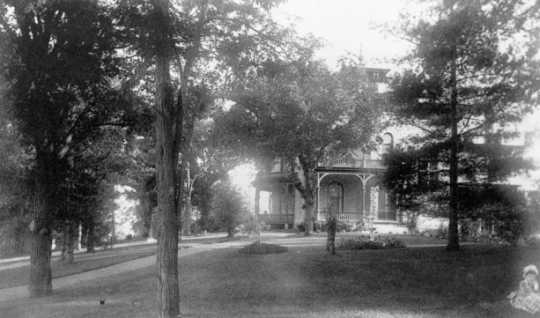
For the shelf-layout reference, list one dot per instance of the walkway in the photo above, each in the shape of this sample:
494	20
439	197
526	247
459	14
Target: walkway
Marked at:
14	262
13	293
285	239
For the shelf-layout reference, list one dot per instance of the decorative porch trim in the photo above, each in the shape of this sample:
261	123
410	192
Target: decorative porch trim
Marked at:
362	176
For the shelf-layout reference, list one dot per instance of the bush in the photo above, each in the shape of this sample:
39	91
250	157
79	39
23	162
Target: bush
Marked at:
252	224
262	248
440	233
228	207
392	242
341	226
362	243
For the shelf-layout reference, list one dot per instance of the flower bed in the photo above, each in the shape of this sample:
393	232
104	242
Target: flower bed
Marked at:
361	242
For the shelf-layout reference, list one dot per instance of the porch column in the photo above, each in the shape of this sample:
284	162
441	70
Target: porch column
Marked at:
363	198
257	201
317	200
364	178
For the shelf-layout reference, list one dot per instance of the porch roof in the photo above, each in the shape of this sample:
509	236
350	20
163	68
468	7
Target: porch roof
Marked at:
350	170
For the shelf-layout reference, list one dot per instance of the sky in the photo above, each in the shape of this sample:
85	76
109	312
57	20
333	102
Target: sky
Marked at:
344	26
358	27
348	26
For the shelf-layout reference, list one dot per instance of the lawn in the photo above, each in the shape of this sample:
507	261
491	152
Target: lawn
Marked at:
83	262
307	282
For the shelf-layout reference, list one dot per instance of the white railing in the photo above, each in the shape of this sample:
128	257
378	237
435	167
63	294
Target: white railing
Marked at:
354	216
346	216
351	163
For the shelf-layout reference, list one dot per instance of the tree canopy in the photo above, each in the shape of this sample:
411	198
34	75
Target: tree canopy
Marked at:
300	111
58	69
472	73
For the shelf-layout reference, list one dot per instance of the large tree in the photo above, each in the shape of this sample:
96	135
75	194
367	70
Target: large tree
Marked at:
299	110
181	40
472	72
58	70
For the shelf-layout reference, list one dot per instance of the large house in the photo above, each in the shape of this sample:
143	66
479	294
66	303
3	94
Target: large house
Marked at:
350	185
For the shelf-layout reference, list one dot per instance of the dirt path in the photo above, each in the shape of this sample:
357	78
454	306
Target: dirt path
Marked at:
285	239
13	293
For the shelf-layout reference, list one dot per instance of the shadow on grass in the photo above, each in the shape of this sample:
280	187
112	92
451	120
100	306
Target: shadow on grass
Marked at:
307	282
258	248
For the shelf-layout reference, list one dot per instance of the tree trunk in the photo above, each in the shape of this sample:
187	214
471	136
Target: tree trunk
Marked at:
90	237
84	234
453	238
65	236
167	255
167	131
40	250
78	230
308	217
308	165
146	190
204	209
70	229
187	216
40	263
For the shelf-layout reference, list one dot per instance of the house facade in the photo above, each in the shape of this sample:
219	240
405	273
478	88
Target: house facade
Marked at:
349	186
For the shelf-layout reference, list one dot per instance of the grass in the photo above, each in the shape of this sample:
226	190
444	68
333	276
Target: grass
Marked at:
307	282
83	262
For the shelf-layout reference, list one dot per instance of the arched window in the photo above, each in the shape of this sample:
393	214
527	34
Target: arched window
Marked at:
335	198
387	142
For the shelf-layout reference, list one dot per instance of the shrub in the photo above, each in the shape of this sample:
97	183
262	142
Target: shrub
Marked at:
228	207
392	242
341	226
361	243
262	248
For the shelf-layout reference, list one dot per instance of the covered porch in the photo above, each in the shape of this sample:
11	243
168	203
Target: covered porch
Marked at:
275	200
354	196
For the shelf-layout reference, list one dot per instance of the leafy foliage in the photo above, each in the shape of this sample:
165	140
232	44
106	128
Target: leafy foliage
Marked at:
473	72
361	243
228	208
59	72
16	197
298	110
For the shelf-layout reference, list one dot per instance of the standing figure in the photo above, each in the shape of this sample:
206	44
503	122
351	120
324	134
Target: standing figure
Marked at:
527	297
331	227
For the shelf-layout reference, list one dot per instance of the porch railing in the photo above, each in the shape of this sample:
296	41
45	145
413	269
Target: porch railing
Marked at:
354	216
345	215
352	163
